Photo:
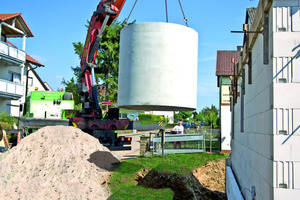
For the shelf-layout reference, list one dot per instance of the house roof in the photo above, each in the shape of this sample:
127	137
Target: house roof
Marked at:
32	60
20	24
224	62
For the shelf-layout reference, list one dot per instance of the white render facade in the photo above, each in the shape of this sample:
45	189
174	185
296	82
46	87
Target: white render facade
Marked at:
15	65
12	66
265	145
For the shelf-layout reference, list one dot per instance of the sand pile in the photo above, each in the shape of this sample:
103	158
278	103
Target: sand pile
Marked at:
212	175
56	162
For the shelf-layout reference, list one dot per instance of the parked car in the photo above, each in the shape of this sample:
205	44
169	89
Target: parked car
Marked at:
194	125
186	125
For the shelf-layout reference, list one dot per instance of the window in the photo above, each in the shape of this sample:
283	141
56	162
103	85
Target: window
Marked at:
243	81
250	68
295	18
3	38
242	113
266	40
14	77
123	115
13	110
30	81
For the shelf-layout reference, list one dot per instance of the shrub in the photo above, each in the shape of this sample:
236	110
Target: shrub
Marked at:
5	125
151	118
7	121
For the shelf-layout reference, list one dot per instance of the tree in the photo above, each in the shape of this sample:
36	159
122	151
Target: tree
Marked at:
211	116
182	115
70	86
199	117
108	61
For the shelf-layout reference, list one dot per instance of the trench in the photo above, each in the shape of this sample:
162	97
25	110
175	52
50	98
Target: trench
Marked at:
183	186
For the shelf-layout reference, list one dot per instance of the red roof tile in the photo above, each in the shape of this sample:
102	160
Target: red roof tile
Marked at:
5	16
224	62
32	60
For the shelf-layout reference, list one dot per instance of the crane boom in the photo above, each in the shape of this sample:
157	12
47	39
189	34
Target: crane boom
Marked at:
106	12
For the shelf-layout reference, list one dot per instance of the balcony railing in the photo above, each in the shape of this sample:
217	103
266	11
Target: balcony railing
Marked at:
12	52
11	90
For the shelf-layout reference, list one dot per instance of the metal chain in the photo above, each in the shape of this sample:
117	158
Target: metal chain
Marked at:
166	3
185	20
126	21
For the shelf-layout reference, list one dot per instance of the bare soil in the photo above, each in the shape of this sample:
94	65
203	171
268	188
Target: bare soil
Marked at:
56	162
212	175
205	183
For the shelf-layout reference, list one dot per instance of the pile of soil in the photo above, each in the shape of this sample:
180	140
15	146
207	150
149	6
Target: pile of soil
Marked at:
205	183
56	162
212	175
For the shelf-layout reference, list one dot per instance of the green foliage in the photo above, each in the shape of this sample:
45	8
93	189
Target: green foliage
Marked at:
182	115
151	118
7	121
5	125
70	86
209	115
123	181
199	117
108	61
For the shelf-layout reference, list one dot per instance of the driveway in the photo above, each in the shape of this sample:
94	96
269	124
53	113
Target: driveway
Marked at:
135	148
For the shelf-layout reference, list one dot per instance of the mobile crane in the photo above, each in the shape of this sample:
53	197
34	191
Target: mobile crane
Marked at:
90	118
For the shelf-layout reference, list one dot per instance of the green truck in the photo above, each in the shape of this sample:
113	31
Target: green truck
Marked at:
48	104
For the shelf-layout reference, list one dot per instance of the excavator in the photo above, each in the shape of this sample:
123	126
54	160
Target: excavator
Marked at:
90	119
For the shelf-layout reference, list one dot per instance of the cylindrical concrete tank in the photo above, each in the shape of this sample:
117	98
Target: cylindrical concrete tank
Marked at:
158	67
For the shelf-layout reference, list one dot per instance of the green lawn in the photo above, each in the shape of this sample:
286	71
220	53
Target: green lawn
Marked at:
124	186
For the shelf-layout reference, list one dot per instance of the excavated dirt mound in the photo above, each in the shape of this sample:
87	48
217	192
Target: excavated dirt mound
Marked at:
212	175
56	162
205	183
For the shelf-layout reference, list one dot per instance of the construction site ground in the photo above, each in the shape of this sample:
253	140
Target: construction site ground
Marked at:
66	163
211	175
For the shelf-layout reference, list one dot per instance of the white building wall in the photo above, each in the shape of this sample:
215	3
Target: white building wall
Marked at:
10	106
252	147
286	75
225	127
35	83
266	155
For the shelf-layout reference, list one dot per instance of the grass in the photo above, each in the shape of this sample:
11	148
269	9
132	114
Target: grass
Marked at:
124	186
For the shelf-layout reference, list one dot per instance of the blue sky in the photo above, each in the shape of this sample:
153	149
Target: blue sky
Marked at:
56	24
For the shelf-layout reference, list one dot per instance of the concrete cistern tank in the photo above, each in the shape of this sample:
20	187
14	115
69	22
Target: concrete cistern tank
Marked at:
158	67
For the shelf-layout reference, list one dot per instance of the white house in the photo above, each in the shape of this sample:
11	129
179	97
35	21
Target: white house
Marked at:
265	137
15	63
224	71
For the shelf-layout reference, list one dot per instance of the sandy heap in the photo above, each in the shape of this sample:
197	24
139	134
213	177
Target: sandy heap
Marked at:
56	162
212	175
